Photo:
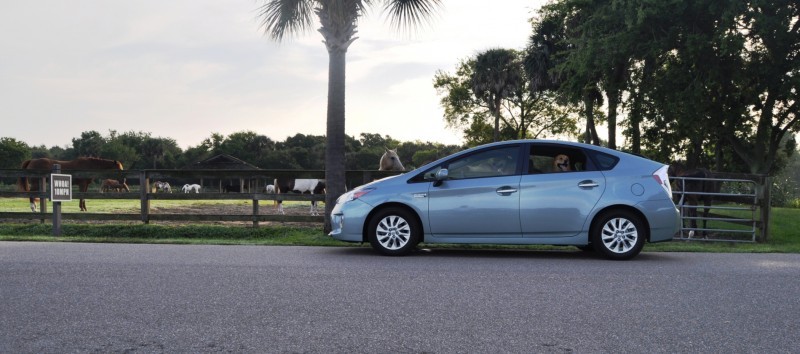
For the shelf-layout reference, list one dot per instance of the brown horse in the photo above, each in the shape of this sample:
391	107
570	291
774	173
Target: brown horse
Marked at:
691	188
82	163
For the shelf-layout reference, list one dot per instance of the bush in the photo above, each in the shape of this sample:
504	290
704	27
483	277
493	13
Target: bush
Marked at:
784	192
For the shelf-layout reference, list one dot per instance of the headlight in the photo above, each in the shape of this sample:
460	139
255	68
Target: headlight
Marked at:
353	195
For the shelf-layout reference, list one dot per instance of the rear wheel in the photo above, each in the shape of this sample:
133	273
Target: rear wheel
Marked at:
394	232
618	234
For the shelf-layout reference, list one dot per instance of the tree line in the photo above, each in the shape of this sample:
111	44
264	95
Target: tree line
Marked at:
141	150
711	82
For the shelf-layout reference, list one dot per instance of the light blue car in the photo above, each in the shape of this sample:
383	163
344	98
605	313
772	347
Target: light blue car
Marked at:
519	193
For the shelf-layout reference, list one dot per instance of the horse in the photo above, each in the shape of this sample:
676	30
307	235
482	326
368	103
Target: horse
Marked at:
300	185
115	185
162	187
390	161
191	187
82	163
692	187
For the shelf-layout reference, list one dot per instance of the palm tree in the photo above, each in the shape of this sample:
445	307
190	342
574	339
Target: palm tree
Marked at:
338	21
497	75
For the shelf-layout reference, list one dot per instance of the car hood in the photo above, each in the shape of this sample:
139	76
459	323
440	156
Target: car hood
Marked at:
382	181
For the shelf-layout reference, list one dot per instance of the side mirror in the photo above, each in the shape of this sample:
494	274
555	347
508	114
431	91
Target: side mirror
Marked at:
440	177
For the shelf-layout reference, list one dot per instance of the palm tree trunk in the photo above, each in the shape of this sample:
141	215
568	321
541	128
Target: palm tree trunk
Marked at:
613	102
334	150
591	129
496	112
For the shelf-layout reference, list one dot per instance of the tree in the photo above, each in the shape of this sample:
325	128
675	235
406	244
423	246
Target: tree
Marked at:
116	150
89	144
13	153
519	107
248	146
558	41
496	76
164	150
338	22
307	150
767	35
134	141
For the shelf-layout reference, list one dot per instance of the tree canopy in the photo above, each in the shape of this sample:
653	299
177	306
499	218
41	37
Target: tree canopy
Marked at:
712	82
140	150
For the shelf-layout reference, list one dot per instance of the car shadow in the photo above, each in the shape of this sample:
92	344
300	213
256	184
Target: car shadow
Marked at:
556	253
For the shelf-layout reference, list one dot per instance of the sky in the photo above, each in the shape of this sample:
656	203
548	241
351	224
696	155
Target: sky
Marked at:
184	69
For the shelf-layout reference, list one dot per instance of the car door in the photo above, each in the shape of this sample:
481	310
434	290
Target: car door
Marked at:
480	198
558	203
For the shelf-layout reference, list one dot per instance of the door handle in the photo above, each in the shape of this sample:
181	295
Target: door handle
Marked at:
588	184
505	190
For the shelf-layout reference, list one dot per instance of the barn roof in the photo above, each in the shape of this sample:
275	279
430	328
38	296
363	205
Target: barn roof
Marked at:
223	162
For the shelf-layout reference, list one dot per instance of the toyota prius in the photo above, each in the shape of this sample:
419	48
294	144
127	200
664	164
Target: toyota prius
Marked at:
519	192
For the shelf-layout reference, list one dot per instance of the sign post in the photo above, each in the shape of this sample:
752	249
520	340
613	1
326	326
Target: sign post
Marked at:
60	191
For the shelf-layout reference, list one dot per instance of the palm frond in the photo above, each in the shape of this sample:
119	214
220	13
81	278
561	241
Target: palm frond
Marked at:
409	14
283	18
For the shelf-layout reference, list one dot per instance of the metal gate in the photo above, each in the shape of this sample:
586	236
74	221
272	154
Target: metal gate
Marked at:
725	209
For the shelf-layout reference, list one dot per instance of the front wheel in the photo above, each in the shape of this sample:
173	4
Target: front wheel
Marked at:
618	234
394	232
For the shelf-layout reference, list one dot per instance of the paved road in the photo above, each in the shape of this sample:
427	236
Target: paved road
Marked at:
103	298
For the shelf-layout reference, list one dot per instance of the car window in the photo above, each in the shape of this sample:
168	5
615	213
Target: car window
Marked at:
487	163
605	162
557	159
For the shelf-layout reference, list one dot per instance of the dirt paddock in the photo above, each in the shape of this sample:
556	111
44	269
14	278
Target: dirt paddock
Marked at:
244	208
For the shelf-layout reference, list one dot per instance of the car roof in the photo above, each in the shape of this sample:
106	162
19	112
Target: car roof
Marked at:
536	142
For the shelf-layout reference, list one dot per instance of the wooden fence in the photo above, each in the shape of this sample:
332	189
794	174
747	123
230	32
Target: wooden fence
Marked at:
251	184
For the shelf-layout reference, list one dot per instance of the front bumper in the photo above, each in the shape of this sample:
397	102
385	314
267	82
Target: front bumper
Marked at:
348	221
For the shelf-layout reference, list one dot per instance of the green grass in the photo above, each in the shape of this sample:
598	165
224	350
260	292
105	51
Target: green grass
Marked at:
189	234
106	206
784	236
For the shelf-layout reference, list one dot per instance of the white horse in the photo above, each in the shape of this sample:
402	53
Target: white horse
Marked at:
187	188
299	185
390	161
163	187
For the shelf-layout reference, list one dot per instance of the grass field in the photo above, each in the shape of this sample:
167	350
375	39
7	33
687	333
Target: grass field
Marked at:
784	236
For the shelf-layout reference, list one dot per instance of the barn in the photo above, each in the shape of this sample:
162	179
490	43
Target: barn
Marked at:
227	162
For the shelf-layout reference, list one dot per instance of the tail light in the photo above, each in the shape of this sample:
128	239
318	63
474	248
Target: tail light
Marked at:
662	178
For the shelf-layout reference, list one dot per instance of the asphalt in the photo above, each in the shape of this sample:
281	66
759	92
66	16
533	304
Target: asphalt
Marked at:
110	298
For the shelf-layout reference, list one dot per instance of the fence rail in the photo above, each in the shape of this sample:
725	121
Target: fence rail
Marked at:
251	185
736	200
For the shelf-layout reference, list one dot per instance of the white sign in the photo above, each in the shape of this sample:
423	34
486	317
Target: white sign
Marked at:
60	187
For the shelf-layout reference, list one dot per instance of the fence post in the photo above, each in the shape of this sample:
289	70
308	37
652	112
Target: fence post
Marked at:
42	201
57	207
255	213
144	187
765	207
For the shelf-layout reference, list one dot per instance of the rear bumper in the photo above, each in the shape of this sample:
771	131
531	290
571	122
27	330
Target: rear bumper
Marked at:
663	217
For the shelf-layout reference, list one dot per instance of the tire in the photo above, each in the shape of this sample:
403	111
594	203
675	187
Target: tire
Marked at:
394	232
618	234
